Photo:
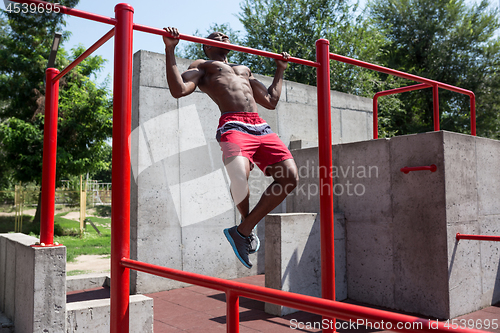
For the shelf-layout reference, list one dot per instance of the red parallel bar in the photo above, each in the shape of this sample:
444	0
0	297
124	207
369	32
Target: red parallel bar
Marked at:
120	177
431	168
390	92
416	78
49	158
85	54
321	306
325	177
233	47
70	11
478	237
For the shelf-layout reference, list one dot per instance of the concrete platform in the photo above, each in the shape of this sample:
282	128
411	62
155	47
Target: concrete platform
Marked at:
198	309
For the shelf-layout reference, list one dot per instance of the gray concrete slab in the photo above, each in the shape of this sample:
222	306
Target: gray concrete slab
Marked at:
293	256
87	281
94	315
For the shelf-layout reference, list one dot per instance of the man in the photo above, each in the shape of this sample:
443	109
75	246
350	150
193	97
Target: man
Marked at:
244	137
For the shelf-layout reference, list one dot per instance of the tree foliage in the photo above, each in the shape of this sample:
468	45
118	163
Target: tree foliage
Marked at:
294	27
85	109
447	41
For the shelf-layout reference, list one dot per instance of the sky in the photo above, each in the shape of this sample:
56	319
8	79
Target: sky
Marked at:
186	15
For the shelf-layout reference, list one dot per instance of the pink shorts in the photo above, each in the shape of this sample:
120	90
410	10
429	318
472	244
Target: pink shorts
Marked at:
246	134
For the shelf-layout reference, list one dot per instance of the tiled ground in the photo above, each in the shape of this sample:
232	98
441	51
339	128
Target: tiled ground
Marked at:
198	309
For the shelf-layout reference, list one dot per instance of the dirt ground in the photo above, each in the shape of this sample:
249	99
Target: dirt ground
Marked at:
90	264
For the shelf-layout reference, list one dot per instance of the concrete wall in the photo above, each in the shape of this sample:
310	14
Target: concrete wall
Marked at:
32	284
400	228
180	200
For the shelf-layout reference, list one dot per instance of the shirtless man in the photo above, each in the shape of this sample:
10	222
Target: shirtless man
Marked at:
244	137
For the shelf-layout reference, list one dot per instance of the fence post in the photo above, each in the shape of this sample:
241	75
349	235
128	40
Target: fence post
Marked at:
120	216
325	176
83	204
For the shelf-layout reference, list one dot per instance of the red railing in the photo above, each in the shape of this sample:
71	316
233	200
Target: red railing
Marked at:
431	83
478	237
390	92
120	239
326	308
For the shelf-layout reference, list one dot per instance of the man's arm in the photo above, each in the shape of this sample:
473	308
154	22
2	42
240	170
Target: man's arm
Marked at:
269	97
179	85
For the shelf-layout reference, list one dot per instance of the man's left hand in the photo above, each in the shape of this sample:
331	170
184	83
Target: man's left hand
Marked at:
283	63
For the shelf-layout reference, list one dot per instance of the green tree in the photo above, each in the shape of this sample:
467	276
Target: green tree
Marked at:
85	111
447	41
294	26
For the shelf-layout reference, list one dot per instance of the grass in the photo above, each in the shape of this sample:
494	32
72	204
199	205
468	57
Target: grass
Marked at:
68	231
90	242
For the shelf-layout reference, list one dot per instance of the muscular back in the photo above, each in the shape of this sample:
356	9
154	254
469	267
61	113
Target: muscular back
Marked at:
227	84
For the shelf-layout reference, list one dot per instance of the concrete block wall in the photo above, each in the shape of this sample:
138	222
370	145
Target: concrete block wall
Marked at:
180	200
32	284
400	228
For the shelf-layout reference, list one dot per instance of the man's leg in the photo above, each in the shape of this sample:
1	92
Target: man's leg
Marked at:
285	176
238	169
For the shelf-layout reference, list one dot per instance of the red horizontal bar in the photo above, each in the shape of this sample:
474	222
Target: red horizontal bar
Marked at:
431	168
327	308
72	11
478	237
390	92
233	47
394	72
402	90
85	54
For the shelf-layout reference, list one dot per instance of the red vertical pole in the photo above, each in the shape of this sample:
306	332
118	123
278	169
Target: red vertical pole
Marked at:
49	158
375	117
473	115
120	177
232	312
325	177
435	100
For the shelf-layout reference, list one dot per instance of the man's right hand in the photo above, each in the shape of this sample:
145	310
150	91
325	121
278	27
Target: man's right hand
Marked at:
171	42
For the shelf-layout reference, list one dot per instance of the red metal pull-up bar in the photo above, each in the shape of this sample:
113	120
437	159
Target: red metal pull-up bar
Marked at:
391	92
85	54
460	236
434	84
120	240
228	46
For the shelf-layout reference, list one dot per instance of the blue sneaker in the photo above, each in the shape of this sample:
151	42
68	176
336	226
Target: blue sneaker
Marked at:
254	242
240	245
